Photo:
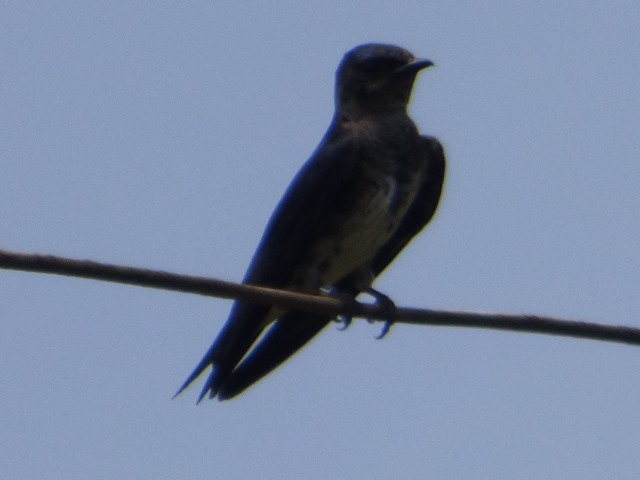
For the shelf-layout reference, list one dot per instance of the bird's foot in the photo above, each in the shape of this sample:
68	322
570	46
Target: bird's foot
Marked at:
344	321
387	306
350	303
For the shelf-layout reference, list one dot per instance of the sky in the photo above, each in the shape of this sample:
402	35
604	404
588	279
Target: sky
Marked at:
162	135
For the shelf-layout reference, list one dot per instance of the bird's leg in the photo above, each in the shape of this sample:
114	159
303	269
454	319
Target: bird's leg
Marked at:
347	299
388	307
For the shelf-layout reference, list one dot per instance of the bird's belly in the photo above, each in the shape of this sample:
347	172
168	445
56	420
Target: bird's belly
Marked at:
359	236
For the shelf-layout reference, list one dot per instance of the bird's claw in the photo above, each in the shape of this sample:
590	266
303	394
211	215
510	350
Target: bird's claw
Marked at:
385	329
388	307
349	302
344	321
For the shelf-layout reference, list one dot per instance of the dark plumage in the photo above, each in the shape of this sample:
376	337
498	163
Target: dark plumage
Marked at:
371	185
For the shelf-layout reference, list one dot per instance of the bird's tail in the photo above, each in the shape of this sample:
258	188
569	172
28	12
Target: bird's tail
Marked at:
289	333
244	325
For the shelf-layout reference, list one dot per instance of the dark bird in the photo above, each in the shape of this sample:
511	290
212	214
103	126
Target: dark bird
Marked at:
371	185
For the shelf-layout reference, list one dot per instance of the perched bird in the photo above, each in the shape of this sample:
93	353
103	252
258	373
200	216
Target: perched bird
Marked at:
371	185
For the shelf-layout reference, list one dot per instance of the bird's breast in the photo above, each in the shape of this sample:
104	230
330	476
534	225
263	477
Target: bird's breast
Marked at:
376	210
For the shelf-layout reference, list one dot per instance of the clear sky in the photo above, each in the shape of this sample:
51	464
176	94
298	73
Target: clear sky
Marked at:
162	135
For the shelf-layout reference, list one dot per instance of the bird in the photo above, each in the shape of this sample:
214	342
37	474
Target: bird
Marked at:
371	185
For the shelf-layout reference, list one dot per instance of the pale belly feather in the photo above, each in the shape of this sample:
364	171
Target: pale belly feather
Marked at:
359	238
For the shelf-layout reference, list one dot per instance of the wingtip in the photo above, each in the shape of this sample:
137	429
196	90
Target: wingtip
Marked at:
232	389
222	396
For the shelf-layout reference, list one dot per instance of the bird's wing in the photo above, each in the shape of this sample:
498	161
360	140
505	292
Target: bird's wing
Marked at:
294	329
315	201
287	335
320	192
421	210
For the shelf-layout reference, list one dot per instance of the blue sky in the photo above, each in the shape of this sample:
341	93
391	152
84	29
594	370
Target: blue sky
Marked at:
162	135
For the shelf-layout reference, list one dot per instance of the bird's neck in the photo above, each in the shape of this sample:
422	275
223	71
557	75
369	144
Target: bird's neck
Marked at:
355	114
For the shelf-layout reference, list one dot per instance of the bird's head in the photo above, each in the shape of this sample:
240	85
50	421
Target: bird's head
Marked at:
376	78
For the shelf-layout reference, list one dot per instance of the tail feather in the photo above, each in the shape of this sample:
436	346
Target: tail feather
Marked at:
207	360
289	333
243	327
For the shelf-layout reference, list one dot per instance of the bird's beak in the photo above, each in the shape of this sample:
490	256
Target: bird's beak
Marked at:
414	66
